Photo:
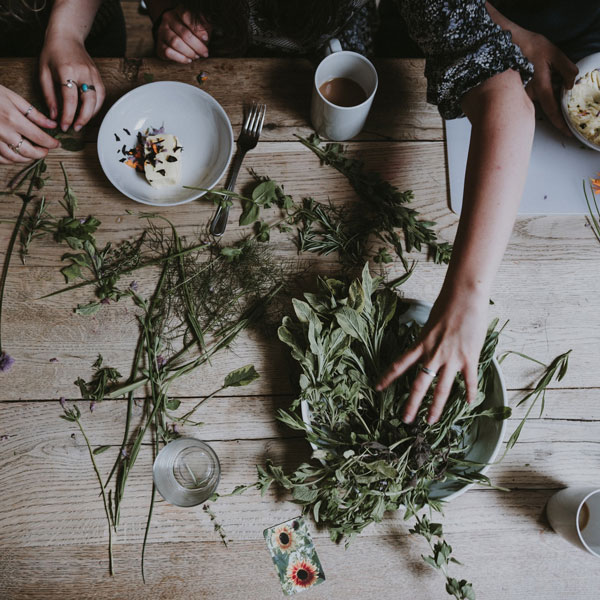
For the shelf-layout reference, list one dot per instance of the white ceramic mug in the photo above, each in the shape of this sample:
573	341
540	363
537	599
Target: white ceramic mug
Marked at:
574	513
342	122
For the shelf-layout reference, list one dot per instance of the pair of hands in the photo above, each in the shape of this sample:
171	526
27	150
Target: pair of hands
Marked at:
180	38
22	135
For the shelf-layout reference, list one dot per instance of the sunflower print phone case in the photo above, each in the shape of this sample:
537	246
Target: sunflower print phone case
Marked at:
294	555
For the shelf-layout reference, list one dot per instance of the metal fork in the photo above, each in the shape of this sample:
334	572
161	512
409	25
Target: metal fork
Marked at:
247	140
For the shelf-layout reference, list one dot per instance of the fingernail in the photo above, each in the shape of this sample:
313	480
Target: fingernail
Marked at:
431	419
189	60
196	56
408	418
64	128
205	54
77	127
204	37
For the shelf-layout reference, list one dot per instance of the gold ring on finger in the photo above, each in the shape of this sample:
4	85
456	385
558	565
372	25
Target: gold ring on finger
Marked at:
429	372
17	147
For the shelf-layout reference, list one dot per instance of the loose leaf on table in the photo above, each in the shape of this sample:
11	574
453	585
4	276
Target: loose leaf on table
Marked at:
241	377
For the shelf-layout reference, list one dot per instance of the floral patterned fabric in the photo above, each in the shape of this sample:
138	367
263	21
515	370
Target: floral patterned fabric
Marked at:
354	28
463	47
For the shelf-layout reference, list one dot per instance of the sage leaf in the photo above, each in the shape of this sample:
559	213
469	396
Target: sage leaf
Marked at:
241	377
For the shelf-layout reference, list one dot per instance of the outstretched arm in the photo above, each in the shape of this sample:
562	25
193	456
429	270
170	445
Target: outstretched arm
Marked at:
502	119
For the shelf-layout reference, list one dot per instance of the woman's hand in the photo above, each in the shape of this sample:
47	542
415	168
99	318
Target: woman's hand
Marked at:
180	38
21	136
63	59
552	68
450	342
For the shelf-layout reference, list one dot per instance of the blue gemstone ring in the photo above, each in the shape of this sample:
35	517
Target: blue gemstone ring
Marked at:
87	87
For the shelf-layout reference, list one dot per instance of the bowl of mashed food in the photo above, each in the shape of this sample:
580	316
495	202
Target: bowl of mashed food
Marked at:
581	104
161	138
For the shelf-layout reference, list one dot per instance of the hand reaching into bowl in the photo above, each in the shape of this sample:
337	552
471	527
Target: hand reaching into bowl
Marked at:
450	343
22	138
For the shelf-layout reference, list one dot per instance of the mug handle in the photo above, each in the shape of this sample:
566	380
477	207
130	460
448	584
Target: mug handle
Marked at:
333	45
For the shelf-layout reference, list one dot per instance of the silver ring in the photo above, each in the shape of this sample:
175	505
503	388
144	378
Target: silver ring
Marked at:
70	83
28	111
87	87
17	148
429	372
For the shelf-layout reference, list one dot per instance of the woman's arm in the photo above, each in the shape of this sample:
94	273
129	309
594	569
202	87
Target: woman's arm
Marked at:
502	119
64	57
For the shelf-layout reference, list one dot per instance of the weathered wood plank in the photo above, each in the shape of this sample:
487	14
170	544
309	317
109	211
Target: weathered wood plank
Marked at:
375	568
399	111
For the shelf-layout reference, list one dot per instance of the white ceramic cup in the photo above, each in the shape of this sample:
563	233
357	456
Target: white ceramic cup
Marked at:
342	122
574	513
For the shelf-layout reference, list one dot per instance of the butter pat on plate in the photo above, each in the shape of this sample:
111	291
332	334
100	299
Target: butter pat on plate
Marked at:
162	160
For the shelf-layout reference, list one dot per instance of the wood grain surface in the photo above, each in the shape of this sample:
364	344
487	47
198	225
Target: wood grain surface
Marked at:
53	536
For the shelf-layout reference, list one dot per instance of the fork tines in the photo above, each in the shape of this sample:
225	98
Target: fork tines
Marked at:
255	119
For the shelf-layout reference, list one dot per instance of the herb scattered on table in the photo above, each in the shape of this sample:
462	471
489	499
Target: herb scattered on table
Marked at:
383	208
32	173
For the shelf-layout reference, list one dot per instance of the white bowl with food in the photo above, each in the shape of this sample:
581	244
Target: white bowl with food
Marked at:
161	137
581	104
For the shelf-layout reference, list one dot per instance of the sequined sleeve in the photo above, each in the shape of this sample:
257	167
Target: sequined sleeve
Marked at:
463	47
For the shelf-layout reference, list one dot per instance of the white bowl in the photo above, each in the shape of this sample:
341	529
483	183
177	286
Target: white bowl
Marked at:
489	432
197	120
585	65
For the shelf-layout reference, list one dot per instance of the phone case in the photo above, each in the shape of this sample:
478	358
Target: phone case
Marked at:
294	555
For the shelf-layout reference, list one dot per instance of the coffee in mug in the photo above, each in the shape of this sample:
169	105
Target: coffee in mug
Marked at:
343	91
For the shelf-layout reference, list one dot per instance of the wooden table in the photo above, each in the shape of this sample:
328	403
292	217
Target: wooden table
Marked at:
53	534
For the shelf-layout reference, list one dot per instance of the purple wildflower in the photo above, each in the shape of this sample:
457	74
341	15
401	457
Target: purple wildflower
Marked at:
124	452
63	401
105	301
92	405
6	362
161	361
82	221
3	437
53	360
175	428
133	286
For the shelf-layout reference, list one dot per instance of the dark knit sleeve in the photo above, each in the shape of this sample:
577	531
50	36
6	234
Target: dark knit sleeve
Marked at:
463	47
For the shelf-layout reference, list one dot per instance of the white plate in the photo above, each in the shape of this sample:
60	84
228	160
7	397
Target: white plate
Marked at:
489	432
585	65
197	120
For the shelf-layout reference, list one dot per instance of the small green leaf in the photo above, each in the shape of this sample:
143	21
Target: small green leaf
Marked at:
265	194
101	449
71	144
172	403
88	309
240	377
250	212
231	253
71	272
